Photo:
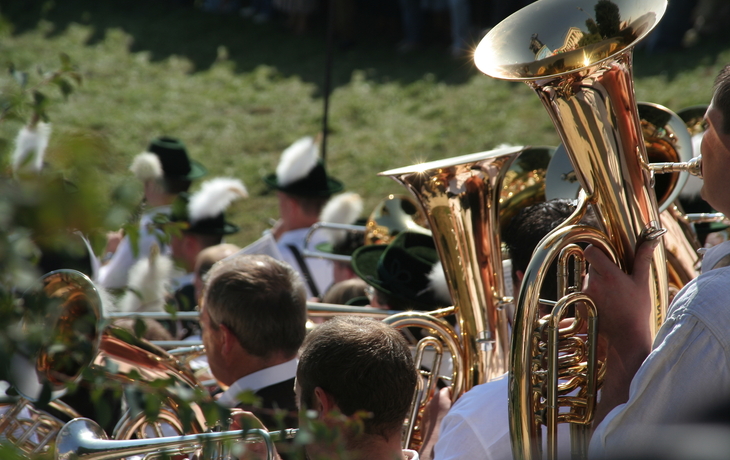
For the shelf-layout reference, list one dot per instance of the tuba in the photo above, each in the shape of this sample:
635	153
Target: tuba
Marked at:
461	197
577	56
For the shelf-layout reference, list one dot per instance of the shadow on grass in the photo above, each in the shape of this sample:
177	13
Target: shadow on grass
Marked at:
164	28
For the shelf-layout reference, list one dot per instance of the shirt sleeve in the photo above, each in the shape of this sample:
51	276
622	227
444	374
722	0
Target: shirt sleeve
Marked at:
686	371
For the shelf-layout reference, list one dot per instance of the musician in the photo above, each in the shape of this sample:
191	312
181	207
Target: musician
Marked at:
166	170
253	315
303	188
359	368
203	224
477	426
687	368
404	275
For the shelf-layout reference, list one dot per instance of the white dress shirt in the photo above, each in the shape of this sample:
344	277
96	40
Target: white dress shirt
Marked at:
258	380
687	371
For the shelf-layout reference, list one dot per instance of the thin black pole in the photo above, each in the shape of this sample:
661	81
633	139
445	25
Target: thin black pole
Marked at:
328	74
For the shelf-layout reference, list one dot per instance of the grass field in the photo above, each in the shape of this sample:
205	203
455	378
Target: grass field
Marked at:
238	93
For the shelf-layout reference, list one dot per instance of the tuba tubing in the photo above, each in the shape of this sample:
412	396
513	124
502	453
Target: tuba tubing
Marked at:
581	69
83	439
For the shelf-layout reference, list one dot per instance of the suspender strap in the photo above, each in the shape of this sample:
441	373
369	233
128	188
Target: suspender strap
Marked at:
305	270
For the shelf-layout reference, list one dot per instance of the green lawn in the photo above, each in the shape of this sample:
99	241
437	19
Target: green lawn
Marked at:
238	93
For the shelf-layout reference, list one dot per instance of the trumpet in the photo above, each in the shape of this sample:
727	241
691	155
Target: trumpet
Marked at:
83	439
581	71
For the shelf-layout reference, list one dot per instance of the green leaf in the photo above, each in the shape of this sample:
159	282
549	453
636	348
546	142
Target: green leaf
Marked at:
65	61
140	327
64	86
39	99
20	77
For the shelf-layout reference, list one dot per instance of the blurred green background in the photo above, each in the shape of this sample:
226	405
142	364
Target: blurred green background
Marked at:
238	93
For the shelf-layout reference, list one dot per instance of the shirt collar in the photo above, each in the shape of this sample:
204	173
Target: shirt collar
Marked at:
258	380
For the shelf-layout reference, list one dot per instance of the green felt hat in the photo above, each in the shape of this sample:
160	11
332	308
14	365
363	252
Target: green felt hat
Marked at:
176	164
401	268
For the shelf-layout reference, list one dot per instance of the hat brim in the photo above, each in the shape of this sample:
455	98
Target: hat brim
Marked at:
227	229
365	264
333	186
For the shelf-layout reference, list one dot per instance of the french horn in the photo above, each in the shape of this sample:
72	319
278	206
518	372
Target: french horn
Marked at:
577	57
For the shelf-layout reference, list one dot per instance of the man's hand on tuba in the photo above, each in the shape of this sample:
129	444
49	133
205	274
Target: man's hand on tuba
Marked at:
624	304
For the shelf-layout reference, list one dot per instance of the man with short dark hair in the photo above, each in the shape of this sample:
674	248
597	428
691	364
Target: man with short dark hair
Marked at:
253	317
351	366
686	370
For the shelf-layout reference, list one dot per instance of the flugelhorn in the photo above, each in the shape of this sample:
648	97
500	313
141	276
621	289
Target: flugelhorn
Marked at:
461	197
577	56
83	439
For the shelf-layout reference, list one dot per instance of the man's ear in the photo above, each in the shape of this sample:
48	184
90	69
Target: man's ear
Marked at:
228	339
323	402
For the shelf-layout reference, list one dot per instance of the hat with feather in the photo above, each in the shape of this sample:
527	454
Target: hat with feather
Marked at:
204	211
301	172
343	209
166	157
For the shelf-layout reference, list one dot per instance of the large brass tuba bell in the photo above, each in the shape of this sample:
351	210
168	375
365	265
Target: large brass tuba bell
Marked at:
577	56
462	197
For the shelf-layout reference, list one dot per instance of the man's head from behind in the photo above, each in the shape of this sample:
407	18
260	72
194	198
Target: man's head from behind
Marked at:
352	365
524	233
254	314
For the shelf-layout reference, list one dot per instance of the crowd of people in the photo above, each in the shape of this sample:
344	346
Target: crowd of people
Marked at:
253	318
357	376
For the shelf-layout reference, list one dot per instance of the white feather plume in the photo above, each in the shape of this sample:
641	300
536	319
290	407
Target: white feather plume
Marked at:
107	300
149	282
146	166
297	161
437	284
31	141
214	197
341	209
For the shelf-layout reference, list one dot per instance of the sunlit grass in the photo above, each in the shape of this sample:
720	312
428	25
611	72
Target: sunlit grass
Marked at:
238	101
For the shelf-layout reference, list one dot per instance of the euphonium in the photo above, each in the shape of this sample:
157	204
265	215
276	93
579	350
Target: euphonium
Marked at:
576	55
461	198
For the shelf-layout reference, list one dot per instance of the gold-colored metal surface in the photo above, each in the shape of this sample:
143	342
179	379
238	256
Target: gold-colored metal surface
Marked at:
576	55
439	335
83	439
462	197
393	215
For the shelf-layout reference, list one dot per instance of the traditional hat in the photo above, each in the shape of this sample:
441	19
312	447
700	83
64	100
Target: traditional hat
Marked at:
166	157
402	268
205	210
302	173
343	209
